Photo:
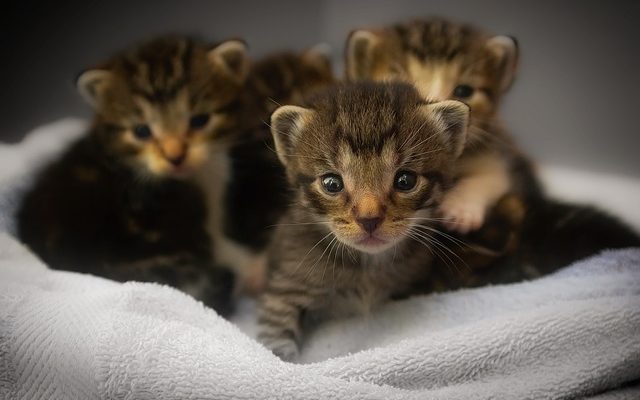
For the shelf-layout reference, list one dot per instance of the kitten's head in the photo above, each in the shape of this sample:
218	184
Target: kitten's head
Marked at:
162	105
445	60
288	77
368	159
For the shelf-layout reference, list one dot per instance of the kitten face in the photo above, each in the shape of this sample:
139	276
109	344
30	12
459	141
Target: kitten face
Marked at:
366	158
443	59
166	103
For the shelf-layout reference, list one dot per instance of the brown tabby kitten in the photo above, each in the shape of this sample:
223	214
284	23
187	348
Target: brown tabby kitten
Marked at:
369	164
447	60
277	79
527	234
118	203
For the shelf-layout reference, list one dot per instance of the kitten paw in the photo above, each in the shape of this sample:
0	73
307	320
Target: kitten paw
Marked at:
286	349
461	215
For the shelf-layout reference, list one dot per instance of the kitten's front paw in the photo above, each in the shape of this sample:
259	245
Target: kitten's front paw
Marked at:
462	215
285	348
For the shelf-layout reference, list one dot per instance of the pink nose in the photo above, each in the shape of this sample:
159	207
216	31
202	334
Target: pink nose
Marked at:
369	224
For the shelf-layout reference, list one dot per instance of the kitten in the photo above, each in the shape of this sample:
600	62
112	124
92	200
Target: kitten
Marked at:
252	206
369	164
446	60
120	203
522	237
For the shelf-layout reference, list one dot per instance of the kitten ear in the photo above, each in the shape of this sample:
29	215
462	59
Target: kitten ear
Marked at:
453	118
360	53
286	125
231	56
319	57
93	84
505	49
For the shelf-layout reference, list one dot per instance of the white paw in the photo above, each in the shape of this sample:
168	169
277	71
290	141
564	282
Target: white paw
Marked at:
285	348
462	215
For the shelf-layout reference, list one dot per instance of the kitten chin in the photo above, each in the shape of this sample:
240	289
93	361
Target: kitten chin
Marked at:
368	164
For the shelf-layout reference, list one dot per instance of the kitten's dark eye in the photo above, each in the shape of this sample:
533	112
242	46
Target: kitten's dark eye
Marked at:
142	132
199	121
463	91
405	180
332	183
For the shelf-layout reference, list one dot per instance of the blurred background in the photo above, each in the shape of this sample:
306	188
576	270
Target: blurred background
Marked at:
574	102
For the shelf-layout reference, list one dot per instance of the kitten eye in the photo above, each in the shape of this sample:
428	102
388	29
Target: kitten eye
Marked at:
405	180
463	91
198	121
142	132
332	183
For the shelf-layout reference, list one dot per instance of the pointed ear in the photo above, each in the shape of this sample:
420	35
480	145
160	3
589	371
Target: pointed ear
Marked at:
453	118
287	123
231	57
505	49
360	54
319	57
93	84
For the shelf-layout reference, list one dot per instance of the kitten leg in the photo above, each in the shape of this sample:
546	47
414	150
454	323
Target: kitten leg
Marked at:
465	205
280	313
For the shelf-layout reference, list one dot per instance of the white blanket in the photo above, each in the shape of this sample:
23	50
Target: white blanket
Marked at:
71	336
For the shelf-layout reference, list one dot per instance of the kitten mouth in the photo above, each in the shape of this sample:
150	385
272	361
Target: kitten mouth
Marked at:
372	241
180	172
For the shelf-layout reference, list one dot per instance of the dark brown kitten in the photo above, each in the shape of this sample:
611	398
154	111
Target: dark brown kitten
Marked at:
255	198
369	164
117	203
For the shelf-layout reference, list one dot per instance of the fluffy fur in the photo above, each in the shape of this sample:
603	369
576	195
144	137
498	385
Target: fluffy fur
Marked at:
116	203
395	155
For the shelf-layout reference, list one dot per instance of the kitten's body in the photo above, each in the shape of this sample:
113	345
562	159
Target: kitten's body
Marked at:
119	202
348	251
252	192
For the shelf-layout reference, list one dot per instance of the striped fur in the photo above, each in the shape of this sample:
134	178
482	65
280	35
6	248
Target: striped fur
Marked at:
323	261
439	56
496	188
116	204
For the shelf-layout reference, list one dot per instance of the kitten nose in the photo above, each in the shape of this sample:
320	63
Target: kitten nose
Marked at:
174	150
177	159
369	224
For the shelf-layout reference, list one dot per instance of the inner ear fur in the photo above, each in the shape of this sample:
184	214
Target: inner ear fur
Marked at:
93	84
287	123
361	53
232	58
452	117
505	50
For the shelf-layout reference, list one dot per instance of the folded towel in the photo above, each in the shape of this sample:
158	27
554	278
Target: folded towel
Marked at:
572	334
71	336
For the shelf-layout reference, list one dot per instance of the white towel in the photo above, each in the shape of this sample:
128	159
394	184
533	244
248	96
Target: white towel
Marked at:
71	336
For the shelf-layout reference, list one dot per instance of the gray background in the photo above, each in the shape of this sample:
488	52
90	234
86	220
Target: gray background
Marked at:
574	103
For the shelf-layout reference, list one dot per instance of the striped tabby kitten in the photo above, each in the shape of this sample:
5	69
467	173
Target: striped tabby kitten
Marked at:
369	164
446	60
119	202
